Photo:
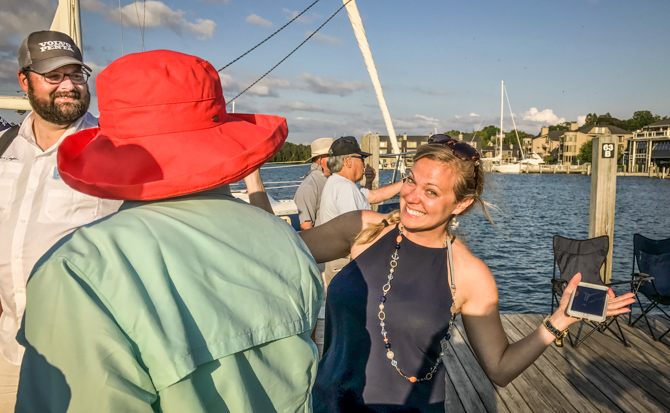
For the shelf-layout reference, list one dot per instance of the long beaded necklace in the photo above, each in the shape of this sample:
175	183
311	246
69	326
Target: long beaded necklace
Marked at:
382	316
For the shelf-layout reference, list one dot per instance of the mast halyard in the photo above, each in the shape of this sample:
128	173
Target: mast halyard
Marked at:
502	93
359	32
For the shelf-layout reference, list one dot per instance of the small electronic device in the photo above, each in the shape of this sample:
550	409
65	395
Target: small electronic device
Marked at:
589	301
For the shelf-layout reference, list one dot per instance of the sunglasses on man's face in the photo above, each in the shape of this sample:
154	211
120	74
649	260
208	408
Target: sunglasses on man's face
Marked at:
462	150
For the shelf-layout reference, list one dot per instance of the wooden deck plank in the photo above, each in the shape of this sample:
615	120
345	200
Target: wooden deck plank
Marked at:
465	392
620	389
655	353
568	386
630	363
482	386
508	394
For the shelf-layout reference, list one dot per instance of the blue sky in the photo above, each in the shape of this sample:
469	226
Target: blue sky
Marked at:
440	62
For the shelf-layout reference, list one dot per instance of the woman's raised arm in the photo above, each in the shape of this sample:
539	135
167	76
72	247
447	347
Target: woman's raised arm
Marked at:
501	361
335	238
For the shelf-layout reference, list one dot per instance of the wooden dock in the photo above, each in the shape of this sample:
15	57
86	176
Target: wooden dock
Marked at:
601	375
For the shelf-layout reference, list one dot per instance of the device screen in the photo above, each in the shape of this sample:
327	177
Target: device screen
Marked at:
589	300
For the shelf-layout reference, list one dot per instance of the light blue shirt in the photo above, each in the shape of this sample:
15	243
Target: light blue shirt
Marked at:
339	196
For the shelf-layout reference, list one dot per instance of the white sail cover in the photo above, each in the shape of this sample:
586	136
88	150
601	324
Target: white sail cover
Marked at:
359	31
67	20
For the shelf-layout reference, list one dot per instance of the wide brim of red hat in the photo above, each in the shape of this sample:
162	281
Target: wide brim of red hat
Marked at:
169	165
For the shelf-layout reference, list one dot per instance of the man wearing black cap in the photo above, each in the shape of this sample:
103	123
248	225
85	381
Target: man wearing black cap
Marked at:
36	207
341	194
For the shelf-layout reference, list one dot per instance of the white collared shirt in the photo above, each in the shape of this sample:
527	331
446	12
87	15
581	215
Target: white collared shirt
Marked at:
36	210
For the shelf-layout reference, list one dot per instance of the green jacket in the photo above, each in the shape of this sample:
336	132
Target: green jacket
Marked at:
195	304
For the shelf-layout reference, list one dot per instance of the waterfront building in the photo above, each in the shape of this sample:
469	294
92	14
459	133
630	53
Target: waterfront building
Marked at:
649	145
510	153
573	139
412	143
564	145
546	143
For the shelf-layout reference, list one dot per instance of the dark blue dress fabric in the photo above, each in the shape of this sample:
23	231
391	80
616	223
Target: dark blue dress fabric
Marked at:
354	374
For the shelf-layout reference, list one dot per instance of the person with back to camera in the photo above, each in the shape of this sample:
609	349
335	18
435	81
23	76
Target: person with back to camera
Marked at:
186	300
388	309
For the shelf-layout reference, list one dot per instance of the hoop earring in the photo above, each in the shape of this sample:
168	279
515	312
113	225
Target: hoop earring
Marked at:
453	224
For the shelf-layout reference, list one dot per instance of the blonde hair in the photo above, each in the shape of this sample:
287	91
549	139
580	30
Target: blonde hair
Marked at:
465	187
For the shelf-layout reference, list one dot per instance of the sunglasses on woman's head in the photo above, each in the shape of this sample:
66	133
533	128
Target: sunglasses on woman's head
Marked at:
462	150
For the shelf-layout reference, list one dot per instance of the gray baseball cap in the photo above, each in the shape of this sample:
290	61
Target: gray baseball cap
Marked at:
48	50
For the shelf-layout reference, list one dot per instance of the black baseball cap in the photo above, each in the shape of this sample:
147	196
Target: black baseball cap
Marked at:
346	145
48	50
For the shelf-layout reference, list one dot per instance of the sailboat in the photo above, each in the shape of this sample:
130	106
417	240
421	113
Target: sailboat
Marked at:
514	167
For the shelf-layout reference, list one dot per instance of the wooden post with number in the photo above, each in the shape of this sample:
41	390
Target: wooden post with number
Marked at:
370	144
603	195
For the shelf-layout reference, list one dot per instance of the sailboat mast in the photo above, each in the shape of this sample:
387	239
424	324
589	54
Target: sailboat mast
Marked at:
359	31
502	92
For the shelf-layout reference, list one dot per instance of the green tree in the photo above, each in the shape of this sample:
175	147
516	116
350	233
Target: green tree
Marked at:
585	151
292	152
453	133
593	119
510	137
640	119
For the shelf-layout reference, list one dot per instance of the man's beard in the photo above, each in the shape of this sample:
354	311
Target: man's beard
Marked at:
64	113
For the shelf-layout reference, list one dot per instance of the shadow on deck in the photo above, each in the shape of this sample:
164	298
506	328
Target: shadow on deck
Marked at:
601	375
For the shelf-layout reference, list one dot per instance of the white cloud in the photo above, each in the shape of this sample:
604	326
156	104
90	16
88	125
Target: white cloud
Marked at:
202	28
473	115
426	119
264	88
317	85
322	38
545	116
295	106
258	20
305	18
152	14
581	120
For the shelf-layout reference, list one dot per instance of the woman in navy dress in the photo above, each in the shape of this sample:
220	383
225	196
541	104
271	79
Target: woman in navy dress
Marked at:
390	310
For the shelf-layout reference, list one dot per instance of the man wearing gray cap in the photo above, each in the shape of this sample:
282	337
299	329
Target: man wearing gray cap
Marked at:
308	195
36	207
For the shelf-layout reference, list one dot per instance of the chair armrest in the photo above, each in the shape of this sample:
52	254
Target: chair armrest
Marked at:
635	283
558	285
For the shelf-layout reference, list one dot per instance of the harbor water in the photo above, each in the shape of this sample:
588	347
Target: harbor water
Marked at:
529	210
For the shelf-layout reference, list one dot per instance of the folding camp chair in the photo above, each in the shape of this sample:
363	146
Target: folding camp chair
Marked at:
653	260
586	257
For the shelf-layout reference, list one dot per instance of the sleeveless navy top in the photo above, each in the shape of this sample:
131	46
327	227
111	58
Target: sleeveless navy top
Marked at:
354	374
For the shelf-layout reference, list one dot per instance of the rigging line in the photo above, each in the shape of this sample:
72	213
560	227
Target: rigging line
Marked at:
121	20
269	37
139	24
144	20
513	123
289	55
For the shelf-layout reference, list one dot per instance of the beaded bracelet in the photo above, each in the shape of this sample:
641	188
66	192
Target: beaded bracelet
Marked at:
560	335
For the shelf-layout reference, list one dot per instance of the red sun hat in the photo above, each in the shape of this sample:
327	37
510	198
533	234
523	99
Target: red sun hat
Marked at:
164	132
